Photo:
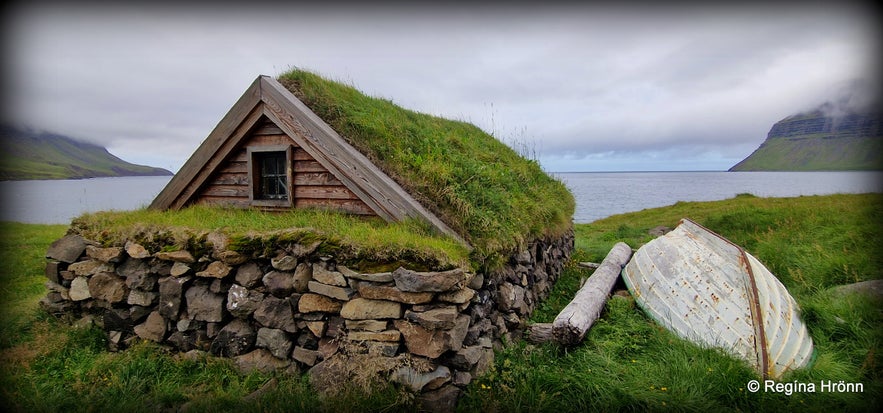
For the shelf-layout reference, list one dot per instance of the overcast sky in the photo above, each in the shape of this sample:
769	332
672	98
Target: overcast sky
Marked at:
584	88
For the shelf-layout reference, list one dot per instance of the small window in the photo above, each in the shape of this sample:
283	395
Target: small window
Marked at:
270	175
273	180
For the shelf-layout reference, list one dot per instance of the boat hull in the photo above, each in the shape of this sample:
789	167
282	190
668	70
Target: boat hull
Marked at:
709	290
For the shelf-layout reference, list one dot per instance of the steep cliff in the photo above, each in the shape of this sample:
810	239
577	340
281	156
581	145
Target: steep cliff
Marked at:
822	139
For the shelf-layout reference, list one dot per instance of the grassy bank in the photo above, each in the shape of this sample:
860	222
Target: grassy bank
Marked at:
355	240
626	363
484	190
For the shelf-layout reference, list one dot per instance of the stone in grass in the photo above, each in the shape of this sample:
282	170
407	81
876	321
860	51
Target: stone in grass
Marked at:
441	400
417	380
467	358
263	361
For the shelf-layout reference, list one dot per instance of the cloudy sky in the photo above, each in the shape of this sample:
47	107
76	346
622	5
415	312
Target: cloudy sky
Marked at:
584	88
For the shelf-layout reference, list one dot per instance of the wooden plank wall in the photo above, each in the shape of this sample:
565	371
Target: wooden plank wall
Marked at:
314	185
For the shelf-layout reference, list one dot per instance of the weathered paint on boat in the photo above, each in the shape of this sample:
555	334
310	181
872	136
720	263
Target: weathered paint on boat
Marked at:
709	290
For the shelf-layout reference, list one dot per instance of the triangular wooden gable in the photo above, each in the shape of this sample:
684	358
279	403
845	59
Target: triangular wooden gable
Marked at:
267	100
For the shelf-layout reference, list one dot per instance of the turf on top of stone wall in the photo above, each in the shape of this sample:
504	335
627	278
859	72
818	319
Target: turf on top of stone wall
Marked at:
484	190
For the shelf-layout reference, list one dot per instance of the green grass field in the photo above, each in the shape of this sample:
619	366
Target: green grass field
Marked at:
626	363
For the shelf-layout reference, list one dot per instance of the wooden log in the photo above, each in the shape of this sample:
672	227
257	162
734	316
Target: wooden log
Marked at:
539	333
589	265
575	320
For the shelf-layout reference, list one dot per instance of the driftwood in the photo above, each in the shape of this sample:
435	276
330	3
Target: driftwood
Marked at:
539	333
572	323
589	265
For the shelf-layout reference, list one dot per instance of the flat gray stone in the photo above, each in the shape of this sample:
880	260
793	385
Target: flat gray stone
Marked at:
412	281
365	309
67	249
204	305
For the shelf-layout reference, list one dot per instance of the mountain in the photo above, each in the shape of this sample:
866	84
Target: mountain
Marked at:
832	137
28	154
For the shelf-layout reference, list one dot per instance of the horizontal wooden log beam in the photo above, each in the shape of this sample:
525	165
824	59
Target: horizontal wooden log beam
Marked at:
575	320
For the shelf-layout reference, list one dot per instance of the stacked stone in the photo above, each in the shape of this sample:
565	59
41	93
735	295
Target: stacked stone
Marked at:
299	309
510	294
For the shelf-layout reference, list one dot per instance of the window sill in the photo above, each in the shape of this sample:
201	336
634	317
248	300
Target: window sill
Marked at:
271	203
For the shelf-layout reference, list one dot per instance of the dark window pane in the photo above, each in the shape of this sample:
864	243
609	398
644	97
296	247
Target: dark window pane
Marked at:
273	180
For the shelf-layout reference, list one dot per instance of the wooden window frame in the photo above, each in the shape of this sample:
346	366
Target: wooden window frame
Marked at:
254	174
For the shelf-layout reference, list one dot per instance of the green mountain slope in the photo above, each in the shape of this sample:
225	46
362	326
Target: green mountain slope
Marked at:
41	155
820	141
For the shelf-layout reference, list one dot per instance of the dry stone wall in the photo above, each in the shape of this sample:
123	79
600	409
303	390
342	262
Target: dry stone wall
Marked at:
301	310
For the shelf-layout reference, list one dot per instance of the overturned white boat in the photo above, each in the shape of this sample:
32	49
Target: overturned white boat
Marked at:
707	289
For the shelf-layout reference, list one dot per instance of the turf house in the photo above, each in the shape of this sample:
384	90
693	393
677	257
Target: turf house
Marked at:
319	230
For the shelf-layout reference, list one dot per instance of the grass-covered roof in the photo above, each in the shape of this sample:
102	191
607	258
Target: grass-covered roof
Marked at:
480	187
